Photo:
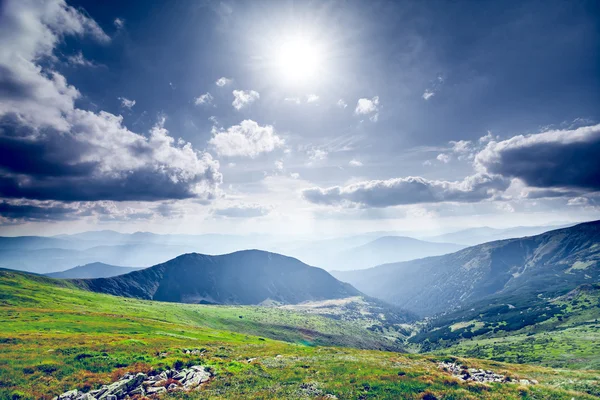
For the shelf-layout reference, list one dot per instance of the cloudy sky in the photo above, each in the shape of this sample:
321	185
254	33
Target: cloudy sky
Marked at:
323	117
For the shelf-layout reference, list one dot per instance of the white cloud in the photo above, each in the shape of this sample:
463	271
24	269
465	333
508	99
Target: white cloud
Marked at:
445	158
279	165
355	163
204	99
127	103
428	94
295	100
341	103
79	60
295	175
311	98
367	106
222	81
119	22
243	98
317	154
248	139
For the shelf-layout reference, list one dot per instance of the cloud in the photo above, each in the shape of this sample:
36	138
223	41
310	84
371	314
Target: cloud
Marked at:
119	23
204	99
295	100
279	165
312	98
248	139
243	98
79	60
295	175
445	158
369	107
341	103
126	103
243	211
16	212
222	81
552	159
410	190
315	154
434	88
355	163
52	150
427	94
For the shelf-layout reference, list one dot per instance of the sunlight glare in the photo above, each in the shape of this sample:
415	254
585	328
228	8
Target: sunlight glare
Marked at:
298	59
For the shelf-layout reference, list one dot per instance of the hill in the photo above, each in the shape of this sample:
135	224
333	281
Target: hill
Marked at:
60	338
244	277
551	263
92	270
562	332
389	249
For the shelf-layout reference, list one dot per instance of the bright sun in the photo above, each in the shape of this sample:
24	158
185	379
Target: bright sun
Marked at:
298	59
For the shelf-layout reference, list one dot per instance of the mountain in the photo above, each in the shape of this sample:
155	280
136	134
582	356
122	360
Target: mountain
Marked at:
243	277
551	263
389	249
92	270
474	236
34	243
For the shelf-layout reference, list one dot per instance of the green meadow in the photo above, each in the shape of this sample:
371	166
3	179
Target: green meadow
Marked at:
54	337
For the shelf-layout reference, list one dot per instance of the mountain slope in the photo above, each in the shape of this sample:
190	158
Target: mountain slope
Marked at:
474	236
92	270
389	249
551	263
244	277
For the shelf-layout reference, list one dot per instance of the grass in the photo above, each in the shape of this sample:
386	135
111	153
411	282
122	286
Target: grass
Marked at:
54	337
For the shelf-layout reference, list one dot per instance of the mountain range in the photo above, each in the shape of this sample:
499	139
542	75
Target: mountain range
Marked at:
551	263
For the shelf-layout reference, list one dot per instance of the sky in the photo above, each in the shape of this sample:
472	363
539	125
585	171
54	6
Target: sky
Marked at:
297	117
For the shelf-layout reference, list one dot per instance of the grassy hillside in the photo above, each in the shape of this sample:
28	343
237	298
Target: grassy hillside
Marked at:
562	332
54	337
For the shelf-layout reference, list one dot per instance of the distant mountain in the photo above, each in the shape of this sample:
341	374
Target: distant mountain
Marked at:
92	270
244	277
34	243
551	263
474	236
388	249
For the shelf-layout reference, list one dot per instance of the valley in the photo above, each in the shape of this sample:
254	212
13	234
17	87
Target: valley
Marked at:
529	322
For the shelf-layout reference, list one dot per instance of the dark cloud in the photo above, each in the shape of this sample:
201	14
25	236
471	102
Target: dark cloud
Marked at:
20	211
52	150
410	190
553	159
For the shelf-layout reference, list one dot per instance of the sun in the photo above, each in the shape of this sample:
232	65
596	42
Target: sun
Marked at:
298	59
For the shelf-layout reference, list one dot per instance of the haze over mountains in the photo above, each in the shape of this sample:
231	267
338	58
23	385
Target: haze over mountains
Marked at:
42	254
551	263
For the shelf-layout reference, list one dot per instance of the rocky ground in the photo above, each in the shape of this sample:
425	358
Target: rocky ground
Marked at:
152	384
480	375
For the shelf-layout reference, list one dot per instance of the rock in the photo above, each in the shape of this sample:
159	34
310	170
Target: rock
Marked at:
196	377
250	360
86	396
70	395
138	390
163	375
172	387
180	375
156	390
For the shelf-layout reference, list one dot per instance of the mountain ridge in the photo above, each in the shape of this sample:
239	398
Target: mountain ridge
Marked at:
555	261
243	277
